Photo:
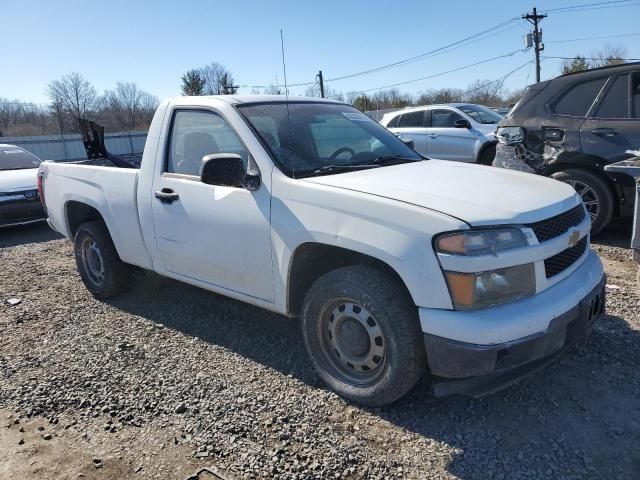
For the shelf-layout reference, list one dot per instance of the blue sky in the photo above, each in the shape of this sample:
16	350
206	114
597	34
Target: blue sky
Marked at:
154	43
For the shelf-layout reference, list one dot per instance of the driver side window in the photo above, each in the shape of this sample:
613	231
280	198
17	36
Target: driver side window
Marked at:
444	118
195	134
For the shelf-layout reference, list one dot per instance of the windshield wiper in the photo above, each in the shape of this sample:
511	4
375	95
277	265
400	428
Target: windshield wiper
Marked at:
387	159
376	162
340	168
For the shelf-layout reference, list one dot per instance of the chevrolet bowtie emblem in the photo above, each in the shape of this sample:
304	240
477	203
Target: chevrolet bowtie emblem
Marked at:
574	238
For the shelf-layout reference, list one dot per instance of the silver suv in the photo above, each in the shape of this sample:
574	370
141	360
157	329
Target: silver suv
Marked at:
453	131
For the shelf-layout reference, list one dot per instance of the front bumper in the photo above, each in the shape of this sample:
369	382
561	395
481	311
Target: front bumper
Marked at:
558	317
20	211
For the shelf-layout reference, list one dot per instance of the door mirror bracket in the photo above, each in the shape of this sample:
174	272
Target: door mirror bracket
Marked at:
227	169
462	123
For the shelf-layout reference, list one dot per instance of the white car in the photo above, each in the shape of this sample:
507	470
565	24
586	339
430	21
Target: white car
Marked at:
454	131
395	265
19	200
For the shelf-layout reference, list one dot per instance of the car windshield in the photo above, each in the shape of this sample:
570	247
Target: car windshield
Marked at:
15	158
481	114
306	138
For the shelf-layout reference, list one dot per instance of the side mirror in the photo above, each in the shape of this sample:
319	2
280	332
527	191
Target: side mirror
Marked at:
406	140
227	169
462	123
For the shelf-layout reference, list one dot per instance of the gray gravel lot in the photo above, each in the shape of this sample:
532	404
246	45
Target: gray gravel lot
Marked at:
232	384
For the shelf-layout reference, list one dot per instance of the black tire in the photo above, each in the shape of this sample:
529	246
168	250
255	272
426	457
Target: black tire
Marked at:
100	267
487	156
592	188
391	316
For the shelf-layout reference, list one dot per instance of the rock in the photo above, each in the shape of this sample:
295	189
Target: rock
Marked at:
13	301
21	441
181	408
47	436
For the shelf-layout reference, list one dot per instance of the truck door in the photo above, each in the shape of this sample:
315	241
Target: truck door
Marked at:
218	235
613	126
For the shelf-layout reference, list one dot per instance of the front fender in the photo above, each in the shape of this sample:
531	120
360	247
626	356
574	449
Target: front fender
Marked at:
393	232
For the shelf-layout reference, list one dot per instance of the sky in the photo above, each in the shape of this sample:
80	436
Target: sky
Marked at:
154	43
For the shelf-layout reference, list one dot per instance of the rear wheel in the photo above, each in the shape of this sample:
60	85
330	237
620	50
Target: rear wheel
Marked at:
595	194
100	267
362	332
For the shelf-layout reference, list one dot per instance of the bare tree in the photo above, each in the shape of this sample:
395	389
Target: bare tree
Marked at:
329	92
217	79
129	104
484	92
73	94
609	55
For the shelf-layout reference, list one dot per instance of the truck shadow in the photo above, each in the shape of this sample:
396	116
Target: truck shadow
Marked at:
25	234
578	417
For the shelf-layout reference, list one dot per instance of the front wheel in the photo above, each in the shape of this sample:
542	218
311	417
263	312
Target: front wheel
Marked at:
362	333
98	263
595	194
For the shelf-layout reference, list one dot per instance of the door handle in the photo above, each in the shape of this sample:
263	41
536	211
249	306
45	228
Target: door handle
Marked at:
167	195
432	135
605	132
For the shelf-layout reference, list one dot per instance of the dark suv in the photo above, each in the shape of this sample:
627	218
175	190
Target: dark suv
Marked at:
570	127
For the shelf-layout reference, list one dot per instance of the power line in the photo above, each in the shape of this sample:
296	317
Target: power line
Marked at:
594	58
587	5
594	38
426	54
498	28
500	79
448	71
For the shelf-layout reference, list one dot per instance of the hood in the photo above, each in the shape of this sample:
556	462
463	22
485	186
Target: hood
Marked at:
476	194
18	179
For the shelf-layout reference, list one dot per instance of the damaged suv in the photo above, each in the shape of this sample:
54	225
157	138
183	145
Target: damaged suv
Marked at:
570	127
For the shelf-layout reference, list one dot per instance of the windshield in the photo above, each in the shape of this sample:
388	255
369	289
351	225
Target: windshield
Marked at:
307	137
15	158
481	114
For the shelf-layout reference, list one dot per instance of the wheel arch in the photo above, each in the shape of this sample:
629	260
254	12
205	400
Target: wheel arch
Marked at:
588	164
486	146
77	213
311	260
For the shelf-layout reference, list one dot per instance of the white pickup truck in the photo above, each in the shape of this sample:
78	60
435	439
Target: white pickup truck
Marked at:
395	264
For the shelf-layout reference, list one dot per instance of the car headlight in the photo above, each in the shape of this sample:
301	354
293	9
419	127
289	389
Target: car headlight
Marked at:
510	135
480	242
484	289
492	287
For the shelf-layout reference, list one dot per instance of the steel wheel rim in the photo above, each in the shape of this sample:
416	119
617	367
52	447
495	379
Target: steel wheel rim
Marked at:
92	260
352	341
589	197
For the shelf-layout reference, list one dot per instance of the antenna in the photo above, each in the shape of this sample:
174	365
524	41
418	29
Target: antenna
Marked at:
286	100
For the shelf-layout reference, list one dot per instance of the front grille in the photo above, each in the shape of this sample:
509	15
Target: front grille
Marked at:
555	226
563	260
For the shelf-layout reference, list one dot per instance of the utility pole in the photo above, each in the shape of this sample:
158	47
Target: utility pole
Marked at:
534	19
321	82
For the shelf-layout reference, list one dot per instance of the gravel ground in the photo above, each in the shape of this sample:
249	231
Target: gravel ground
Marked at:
231	386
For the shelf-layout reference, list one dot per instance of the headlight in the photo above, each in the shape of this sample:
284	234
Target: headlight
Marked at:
480	242
510	135
484	289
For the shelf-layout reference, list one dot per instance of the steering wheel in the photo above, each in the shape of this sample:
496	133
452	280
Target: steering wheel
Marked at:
342	150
